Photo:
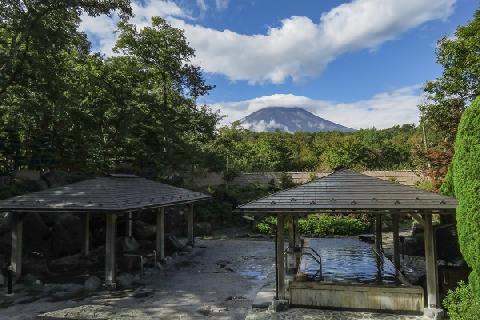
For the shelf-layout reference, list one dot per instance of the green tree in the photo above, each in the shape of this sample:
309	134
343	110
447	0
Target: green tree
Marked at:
450	94
466	178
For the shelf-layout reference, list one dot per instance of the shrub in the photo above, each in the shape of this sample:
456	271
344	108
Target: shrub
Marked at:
448	187
466	179
425	184
462	303
320	225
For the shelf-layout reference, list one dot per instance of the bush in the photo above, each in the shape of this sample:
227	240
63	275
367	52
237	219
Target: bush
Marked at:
466	179
462	303
320	225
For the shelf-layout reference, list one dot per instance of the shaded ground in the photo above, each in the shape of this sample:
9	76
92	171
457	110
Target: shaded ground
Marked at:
315	314
219	279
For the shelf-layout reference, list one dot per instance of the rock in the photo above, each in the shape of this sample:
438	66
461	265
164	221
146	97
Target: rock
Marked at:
28	175
413	268
417	228
172	244
36	233
203	229
36	267
413	246
143	230
447	243
92	283
6	224
129	244
369	238
32	281
67	235
125	280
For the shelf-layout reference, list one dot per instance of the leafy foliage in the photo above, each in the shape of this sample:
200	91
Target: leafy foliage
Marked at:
466	178
243	150
462	304
320	225
62	107
449	95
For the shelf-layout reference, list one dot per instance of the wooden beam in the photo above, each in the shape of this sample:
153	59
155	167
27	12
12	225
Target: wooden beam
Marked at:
396	242
110	263
433	301
17	246
86	234
280	257
190	224
378	232
160	243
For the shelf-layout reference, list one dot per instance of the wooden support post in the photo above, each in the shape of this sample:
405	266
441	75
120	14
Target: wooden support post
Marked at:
298	243
431	264
396	241
378	232
110	264
280	257
86	234
160	243
190	214
17	246
291	233
129	226
291	259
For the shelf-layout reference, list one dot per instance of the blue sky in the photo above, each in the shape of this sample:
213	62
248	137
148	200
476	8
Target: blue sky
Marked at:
360	63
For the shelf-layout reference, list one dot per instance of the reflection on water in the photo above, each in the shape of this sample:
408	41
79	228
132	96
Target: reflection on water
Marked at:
254	272
348	261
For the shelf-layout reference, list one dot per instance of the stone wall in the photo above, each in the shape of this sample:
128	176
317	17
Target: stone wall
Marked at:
409	178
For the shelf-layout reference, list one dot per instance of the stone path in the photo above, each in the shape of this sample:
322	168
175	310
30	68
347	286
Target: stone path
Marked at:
315	314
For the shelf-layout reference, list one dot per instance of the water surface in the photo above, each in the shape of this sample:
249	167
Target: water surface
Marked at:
348	260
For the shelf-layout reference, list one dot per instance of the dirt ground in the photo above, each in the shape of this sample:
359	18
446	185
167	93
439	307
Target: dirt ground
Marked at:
217	280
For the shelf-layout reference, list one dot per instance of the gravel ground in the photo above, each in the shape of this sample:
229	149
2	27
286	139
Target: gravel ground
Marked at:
217	280
315	314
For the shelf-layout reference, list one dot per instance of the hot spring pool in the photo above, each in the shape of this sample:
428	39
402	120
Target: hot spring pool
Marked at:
347	260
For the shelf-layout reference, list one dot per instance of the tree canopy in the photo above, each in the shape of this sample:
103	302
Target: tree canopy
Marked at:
450	94
62	106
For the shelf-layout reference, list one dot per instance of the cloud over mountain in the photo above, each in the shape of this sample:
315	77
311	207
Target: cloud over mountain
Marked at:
299	48
383	110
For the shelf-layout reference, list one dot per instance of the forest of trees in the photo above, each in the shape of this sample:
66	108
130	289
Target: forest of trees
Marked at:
242	150
64	107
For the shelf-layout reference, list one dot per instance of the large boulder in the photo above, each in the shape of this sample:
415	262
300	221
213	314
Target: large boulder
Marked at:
36	234
66	235
203	229
144	231
447	243
92	283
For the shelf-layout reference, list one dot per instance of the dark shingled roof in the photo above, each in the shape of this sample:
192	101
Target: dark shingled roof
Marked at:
345	190
114	193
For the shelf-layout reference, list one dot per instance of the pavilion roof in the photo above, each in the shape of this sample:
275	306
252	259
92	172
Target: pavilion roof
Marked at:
347	191
113	193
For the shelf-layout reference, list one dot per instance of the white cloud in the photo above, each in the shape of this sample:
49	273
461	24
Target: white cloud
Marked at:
101	30
383	110
202	5
222	4
261	126
299	48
